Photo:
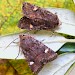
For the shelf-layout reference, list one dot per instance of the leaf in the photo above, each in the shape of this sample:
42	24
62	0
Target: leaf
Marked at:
21	66
10	71
59	65
69	4
67	29
67	19
10	14
67	36
71	70
68	47
3	66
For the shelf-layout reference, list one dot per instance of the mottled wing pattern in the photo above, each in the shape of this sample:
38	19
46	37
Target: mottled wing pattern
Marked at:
38	17
36	53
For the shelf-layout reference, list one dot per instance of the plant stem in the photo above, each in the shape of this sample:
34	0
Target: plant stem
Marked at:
62	41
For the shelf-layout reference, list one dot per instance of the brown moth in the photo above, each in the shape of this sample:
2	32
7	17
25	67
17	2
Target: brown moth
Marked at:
37	18
36	53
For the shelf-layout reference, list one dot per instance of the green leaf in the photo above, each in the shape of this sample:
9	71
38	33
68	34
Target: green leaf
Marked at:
3	66
67	48
21	66
71	70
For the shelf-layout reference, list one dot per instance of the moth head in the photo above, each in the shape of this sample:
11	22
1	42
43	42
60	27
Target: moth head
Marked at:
22	41
25	23
25	41
25	38
29	9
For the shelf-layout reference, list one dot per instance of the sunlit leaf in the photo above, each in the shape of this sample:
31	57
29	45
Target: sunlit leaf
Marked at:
21	66
10	71
3	66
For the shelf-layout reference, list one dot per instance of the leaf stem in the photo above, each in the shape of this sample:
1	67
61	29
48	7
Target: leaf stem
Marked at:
62	41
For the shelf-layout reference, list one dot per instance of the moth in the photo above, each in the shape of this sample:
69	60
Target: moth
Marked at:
36	53
37	18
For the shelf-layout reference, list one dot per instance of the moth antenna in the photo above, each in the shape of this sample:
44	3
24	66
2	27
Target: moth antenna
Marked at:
16	43
18	53
42	40
10	43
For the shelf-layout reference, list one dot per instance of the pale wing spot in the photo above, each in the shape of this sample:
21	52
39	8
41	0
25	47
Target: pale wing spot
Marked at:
35	8
31	26
46	50
31	63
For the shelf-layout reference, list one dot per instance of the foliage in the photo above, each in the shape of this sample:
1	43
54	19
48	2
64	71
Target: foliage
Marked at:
14	67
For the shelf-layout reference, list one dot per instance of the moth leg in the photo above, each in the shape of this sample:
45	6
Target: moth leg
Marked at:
18	53
43	40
